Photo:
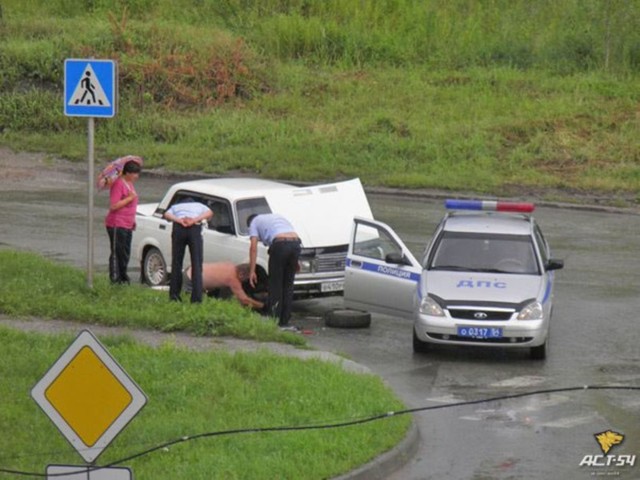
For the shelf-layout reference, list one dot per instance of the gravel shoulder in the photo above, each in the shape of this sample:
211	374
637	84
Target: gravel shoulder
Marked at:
33	171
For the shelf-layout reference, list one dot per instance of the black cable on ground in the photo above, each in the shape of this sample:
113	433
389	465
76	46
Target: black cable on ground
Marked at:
346	423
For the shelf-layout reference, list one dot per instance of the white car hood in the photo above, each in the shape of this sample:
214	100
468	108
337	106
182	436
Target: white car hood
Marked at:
485	287
322	215
146	209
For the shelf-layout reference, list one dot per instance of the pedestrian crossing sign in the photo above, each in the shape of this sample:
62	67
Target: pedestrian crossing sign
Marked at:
90	88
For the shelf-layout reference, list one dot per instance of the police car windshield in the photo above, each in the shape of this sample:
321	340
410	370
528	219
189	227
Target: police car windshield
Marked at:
475	252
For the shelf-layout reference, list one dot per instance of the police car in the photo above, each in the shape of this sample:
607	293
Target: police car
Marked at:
486	278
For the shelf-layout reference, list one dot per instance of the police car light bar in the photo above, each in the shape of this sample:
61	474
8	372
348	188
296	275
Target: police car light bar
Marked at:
497	206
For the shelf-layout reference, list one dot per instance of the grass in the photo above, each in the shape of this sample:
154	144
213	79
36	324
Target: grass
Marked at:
193	393
33	286
485	132
190	393
493	98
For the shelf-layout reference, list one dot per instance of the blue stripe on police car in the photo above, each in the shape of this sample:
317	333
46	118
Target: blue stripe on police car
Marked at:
388	270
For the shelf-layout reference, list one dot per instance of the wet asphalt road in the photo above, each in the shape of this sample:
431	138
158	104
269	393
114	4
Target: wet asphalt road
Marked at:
594	341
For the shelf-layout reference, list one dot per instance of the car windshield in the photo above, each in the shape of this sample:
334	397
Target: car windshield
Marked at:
474	252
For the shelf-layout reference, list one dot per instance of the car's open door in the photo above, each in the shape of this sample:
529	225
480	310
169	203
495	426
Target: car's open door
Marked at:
381	274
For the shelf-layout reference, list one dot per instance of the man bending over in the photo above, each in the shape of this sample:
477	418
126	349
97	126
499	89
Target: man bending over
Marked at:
220	275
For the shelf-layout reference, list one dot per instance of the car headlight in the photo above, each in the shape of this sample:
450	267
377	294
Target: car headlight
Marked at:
428	306
305	266
533	311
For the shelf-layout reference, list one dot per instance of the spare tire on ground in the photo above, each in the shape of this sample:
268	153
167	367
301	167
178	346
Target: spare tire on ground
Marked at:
347	318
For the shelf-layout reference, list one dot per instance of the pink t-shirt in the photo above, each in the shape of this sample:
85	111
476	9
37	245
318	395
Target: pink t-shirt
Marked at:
124	217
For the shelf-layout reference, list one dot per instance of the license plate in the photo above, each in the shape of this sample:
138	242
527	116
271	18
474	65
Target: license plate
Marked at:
332	286
480	332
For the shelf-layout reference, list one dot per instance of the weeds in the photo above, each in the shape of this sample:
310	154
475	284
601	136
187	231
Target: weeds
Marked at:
460	95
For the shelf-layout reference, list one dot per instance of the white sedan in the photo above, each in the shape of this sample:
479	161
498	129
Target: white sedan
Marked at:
321	214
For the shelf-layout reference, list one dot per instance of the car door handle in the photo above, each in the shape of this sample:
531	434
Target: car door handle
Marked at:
356	263
163	227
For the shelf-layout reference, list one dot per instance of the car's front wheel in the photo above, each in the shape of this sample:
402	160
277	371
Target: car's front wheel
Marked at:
154	268
418	345
539	352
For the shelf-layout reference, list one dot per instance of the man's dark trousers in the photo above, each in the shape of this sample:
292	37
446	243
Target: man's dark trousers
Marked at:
181	238
283	263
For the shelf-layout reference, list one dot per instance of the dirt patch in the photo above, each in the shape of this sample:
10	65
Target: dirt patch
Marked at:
32	171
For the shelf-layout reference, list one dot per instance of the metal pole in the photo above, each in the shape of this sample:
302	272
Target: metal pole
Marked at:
90	180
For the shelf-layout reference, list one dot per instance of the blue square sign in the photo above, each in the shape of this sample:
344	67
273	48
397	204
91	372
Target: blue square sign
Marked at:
90	88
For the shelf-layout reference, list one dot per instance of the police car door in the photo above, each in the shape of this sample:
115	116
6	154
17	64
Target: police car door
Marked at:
381	274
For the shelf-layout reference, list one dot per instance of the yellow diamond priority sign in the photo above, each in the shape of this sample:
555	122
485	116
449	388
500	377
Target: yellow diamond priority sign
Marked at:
88	396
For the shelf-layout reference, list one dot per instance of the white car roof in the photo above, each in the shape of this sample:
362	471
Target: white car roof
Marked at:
321	214
233	188
489	222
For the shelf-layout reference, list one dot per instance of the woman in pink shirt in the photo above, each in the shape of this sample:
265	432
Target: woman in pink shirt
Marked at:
121	221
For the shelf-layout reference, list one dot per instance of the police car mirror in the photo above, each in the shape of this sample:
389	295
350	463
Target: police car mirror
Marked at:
397	259
555	264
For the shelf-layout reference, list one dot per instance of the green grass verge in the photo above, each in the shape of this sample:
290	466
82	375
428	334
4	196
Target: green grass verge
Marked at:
33	286
193	393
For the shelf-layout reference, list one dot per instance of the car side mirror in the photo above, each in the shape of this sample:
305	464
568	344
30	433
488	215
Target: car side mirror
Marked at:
554	264
397	259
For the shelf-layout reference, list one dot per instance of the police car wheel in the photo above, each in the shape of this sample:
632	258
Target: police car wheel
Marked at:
540	352
418	345
346	318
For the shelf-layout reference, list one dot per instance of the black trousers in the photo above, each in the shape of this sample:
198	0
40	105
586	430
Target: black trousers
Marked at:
181	238
120	242
283	263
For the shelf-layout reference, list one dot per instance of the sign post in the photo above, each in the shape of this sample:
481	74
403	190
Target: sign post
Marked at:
90	90
90	198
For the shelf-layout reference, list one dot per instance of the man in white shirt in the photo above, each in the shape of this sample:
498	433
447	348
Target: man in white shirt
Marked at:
187	216
276	233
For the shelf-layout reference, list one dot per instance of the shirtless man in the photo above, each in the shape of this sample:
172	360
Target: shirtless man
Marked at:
225	275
